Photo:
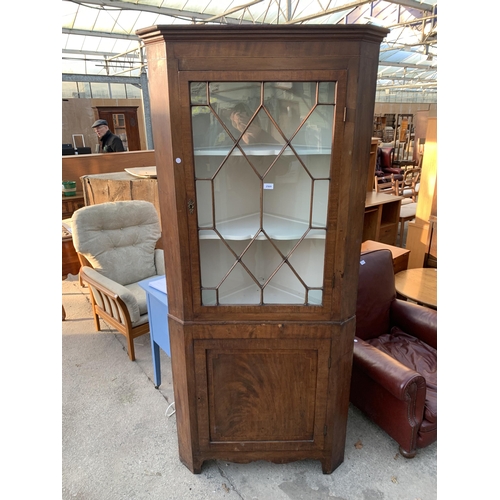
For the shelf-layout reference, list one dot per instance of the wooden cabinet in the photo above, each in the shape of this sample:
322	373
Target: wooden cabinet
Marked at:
262	137
71	203
381	217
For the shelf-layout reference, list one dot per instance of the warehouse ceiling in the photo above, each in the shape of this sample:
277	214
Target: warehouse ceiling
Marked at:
98	36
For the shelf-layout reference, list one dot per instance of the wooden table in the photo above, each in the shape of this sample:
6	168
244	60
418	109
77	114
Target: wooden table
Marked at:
419	285
399	255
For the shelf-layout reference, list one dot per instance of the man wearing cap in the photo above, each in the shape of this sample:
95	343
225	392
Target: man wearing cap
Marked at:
110	143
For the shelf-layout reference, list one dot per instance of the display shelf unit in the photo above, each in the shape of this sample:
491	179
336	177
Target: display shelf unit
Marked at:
381	217
262	142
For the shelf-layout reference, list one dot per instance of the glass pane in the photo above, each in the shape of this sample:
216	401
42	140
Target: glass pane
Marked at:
133	92
287	198
216	259
284	288
69	90
118	91
204	203
305	257
120	128
237	198
320	197
319	129
239	288
199	93
326	93
262	166
100	90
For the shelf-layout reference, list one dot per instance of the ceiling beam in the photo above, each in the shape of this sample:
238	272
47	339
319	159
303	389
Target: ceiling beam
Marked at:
326	12
133	80
357	3
97	54
425	67
414	4
101	34
141	7
230	11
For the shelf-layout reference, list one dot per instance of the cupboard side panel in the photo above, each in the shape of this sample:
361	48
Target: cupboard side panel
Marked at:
164	94
355	163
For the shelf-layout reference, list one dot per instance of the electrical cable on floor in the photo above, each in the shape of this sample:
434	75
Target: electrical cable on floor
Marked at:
168	408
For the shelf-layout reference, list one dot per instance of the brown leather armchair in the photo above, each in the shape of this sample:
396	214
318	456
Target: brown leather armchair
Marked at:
394	377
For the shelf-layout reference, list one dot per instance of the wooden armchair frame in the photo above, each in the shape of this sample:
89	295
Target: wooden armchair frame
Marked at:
113	310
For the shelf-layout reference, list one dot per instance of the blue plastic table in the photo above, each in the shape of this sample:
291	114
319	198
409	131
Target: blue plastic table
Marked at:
156	294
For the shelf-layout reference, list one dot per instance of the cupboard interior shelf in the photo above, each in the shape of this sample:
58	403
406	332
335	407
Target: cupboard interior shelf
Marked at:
273	295
278	228
261	150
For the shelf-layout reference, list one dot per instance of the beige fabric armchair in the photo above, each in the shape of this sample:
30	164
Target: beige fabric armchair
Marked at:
116	244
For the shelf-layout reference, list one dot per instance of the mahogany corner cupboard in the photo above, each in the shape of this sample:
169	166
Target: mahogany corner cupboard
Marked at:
262	140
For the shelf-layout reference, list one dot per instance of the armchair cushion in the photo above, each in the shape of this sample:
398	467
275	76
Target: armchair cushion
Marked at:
111	234
159	262
416	355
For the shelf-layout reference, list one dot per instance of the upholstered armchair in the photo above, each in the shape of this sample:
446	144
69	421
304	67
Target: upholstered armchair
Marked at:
385	160
394	376
116	244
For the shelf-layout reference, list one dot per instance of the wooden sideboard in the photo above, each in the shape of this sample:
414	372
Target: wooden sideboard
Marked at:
74	167
72	203
381	217
119	186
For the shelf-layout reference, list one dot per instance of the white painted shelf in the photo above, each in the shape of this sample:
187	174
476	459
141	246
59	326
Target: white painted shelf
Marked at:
278	228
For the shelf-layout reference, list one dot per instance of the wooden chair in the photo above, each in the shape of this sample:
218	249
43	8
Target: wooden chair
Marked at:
387	184
407	213
409	186
116	245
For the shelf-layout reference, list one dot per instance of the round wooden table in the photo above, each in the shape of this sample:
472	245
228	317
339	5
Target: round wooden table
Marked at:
419	285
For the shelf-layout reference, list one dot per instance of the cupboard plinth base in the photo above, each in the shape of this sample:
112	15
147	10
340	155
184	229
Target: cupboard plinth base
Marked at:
328	465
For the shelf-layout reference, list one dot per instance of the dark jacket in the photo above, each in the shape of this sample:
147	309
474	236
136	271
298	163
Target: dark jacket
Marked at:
111	143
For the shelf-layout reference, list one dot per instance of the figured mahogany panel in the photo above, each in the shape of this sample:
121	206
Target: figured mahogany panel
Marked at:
262	391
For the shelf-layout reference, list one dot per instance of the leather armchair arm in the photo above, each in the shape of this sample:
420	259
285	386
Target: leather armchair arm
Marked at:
416	320
392	170
111	290
386	371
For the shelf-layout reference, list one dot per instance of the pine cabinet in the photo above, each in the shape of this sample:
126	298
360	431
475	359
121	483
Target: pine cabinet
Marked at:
262	140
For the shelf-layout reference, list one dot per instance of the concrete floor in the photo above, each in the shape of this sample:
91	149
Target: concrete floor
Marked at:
119	442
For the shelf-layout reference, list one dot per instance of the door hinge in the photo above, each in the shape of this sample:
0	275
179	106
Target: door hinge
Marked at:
325	428
345	114
329	363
